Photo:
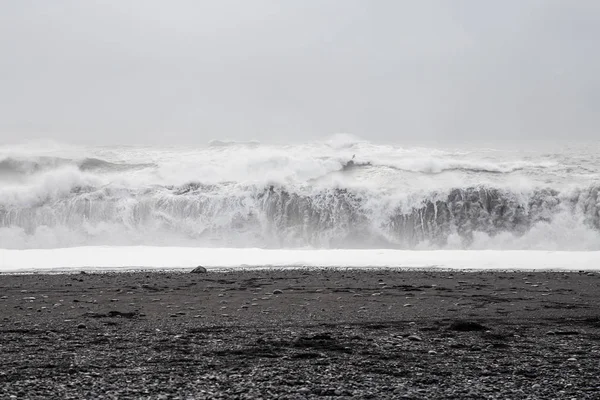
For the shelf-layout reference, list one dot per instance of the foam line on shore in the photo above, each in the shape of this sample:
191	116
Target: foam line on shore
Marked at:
124	258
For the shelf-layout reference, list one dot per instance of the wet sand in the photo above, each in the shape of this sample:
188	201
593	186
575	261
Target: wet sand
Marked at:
295	334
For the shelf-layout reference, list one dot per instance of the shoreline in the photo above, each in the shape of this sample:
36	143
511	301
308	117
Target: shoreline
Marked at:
301	333
167	258
234	270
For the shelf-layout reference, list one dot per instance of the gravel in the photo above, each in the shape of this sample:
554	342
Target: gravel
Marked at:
491	336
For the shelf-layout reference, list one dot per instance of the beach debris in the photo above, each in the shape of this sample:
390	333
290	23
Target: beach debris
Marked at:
199	270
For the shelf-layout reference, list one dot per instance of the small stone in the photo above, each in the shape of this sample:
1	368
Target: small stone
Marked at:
81	326
376	294
572	359
432	352
277	291
415	338
408	305
199	270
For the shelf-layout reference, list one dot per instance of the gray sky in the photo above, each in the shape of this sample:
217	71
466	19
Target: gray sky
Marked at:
185	71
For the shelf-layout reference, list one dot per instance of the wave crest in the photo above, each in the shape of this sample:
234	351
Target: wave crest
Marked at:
275	216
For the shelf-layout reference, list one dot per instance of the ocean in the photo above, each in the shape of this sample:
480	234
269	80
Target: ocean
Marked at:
331	197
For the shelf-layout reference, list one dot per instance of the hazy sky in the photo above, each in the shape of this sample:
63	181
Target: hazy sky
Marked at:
186	71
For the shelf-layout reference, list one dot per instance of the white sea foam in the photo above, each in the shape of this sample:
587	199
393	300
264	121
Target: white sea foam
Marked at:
163	258
339	193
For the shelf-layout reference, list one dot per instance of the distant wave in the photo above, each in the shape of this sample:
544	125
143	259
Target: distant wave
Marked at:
433	166
228	143
40	164
94	164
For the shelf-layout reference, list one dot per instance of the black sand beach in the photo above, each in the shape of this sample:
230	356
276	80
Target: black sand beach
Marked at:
295	334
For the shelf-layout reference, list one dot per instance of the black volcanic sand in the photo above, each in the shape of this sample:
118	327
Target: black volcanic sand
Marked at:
295	334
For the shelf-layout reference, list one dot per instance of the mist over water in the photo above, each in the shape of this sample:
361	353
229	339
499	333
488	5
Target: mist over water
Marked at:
337	193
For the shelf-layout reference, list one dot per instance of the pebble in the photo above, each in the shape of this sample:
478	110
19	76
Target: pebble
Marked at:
277	291
415	338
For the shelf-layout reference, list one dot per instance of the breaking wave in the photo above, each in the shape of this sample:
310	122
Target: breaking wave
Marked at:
343	193
274	216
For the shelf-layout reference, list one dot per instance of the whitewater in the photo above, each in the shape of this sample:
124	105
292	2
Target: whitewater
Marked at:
283	201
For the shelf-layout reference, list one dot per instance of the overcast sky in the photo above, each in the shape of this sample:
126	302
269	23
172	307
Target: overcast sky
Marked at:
186	71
